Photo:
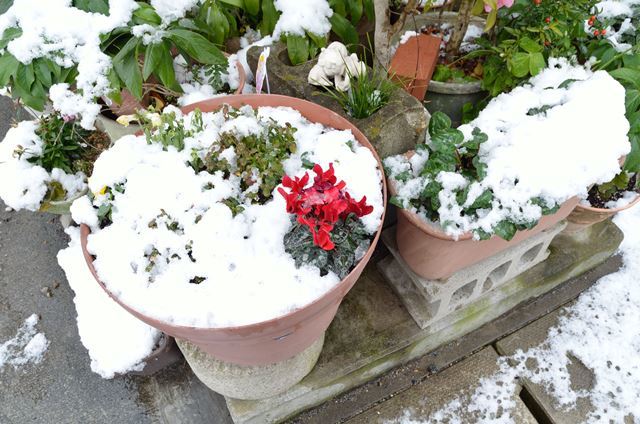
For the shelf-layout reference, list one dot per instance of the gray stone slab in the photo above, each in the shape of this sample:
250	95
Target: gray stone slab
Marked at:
373	333
433	394
581	377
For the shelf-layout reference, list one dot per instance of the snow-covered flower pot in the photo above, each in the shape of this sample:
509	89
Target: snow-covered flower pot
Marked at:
517	169
44	163
252	305
584	216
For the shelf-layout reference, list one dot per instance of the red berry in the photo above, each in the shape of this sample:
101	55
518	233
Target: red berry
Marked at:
603	32
547	19
537	2
592	18
596	33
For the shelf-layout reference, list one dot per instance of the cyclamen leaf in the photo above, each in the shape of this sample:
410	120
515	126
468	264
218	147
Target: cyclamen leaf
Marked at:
505	229
439	122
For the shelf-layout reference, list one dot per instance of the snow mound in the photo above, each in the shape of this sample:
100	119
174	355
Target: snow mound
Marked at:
28	346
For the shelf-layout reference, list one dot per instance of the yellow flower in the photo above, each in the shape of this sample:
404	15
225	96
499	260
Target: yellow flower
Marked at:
103	190
125	120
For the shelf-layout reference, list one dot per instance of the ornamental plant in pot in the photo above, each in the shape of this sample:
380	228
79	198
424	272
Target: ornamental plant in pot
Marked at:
616	47
471	192
258	212
45	163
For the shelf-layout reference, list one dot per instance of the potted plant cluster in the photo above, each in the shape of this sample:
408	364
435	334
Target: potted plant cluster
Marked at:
616	47
470	192
45	163
265	190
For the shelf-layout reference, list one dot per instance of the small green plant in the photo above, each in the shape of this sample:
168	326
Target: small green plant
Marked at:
68	146
448	151
258	161
368	93
349	236
526	35
166	128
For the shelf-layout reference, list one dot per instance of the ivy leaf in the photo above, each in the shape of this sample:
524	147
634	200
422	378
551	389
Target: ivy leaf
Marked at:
439	121
505	229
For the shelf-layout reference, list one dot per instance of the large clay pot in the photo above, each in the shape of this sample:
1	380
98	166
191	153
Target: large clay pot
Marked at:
585	216
283	337
435	255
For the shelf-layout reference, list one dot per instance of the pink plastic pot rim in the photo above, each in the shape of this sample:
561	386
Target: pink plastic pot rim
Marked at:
85	230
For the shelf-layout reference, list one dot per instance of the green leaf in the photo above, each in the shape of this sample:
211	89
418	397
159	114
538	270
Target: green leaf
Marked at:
536	63
529	45
519	64
297	48
356	9
439	121
165	70
344	29
197	47
628	75
483	201
270	16
43	73
632	100
8	35
96	6
126	66
396	202
152	56
5	5
146	14
505	229
8	68
25	77
252	6
369	10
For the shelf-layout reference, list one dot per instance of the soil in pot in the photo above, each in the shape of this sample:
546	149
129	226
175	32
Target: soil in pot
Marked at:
597	201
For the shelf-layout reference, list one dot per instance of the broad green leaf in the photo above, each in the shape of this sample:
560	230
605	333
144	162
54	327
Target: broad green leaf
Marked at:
631	76
369	10
8	35
165	69
252	6
520	64
297	48
632	163
197	47
43	73
356	8
536	63
5	5
8	68
632	100
237	3
344	29
631	61
25	77
152	57
129	72
270	16
529	45
146	14
97	6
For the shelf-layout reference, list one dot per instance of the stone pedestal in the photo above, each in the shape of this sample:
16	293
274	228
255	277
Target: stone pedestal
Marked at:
250	382
394	129
429	301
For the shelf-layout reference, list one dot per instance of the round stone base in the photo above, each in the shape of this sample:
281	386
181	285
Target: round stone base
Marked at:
250	382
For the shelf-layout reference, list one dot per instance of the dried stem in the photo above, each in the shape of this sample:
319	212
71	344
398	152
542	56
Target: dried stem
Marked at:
459	30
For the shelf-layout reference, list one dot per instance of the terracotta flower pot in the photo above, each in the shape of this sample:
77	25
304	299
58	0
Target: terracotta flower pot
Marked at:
585	216
435	255
283	337
130	104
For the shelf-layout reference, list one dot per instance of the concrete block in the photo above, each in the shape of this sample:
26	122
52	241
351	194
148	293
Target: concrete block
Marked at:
431	300
250	382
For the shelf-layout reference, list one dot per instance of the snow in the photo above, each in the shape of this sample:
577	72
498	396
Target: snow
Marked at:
69	36
554	155
248	276
625	200
27	346
28	182
194	81
609	9
250	39
298	17
172	10
407	36
117	342
620	12
600	330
